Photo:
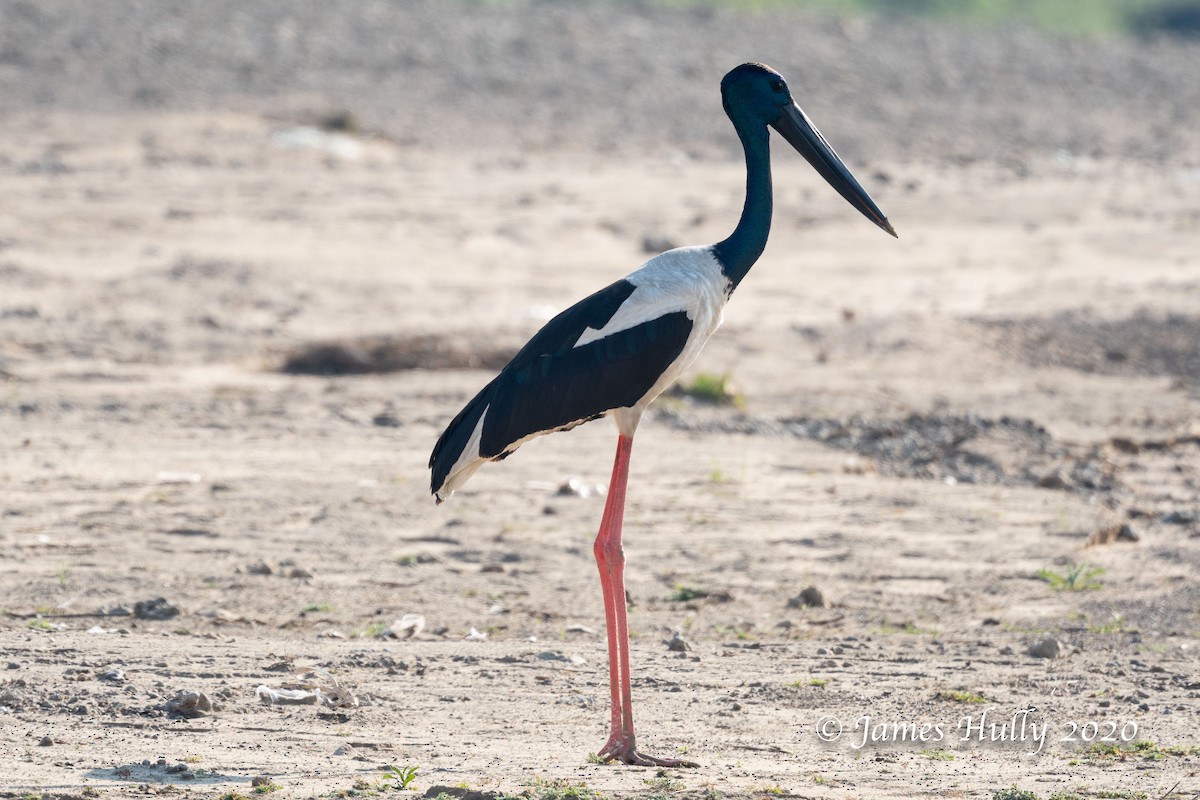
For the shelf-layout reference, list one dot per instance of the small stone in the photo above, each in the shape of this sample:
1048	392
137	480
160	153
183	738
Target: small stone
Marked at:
811	597
1051	480
189	704
1126	534
657	243
156	609
386	419
45	741
574	487
406	627
676	644
116	675
1049	647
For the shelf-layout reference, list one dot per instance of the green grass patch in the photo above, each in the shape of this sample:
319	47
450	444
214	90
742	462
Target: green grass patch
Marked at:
560	789
684	593
938	755
709	387
961	696
395	777
1142	749
1013	793
1074	17
1079	578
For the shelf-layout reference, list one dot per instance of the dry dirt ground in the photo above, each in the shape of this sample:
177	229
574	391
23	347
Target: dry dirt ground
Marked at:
228	342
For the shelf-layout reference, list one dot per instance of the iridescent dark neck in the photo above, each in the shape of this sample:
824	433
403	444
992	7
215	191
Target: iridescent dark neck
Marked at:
738	253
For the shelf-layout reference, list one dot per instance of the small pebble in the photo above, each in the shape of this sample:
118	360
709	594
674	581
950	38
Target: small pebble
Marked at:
1048	647
45	741
811	597
676	644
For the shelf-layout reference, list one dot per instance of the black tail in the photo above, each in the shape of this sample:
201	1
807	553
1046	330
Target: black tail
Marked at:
454	439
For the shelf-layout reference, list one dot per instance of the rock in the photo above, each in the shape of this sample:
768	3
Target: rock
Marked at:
574	487
657	243
1125	445
1049	647
116	675
676	644
1052	480
1116	532
406	627
156	609
45	741
811	597
189	704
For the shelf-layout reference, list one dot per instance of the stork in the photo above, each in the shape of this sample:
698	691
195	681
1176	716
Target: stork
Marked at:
612	353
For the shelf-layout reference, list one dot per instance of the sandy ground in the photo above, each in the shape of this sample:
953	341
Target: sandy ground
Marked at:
157	273
1011	388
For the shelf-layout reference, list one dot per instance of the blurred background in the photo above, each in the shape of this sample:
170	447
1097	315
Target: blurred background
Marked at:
915	80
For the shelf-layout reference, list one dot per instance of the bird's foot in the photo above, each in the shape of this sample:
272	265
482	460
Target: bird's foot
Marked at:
623	749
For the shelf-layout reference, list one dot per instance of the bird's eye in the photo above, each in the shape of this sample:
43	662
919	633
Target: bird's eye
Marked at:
777	86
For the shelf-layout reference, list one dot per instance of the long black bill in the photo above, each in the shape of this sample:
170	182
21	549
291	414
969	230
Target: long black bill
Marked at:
795	126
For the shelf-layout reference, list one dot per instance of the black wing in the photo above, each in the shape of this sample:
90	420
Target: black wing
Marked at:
551	385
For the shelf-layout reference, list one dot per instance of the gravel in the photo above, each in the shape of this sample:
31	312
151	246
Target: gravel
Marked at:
603	76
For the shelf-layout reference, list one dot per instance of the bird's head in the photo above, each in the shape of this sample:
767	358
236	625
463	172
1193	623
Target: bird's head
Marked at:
756	94
755	91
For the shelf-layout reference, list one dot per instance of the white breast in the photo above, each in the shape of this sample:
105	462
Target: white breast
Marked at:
688	279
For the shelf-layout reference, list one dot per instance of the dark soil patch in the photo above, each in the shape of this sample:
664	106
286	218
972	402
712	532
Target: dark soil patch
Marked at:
1146	343
952	448
378	354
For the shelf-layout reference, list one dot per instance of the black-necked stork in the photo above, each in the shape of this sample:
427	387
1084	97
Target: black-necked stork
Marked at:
612	353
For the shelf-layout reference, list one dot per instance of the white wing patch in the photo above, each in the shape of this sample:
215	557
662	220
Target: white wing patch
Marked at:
469	460
678	280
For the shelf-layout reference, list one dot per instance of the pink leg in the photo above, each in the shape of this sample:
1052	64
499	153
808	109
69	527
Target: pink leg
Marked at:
610	558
